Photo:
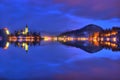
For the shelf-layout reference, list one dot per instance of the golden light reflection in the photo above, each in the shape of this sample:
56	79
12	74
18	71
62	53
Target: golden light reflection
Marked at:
55	38
7	45
101	39
114	32
94	39
108	39
104	39
25	46
114	39
23	39
65	39
82	38
47	38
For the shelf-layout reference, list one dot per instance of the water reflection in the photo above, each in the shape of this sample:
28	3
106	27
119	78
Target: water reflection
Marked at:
91	38
58	62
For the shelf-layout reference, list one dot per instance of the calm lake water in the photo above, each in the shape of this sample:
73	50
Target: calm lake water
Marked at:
54	61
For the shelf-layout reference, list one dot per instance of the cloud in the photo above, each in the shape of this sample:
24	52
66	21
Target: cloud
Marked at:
56	15
91	68
96	9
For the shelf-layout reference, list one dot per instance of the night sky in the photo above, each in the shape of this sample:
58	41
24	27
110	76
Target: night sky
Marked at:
55	61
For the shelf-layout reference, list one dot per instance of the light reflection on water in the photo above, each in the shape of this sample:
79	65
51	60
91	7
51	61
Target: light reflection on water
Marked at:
58	62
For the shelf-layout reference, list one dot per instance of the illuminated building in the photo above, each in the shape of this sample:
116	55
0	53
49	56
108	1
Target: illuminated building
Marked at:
22	38
108	39
81	38
91	38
